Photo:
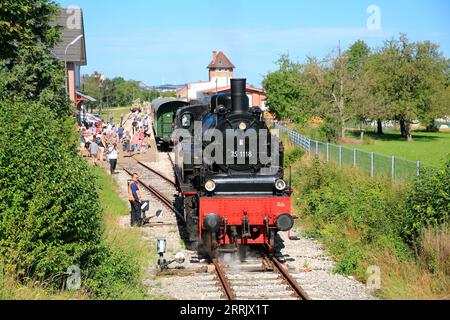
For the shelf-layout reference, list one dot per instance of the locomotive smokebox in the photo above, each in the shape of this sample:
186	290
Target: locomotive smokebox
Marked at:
239	99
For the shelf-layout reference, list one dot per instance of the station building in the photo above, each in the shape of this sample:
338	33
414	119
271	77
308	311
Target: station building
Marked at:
221	71
72	51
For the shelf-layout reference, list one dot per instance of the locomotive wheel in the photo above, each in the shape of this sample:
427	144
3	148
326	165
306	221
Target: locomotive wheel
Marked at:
209	246
191	216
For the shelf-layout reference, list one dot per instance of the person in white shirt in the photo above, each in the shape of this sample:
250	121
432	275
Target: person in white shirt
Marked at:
113	156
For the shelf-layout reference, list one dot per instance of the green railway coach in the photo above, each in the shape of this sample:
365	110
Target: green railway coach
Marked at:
163	114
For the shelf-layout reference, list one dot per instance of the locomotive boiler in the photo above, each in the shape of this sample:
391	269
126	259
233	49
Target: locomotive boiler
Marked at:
229	169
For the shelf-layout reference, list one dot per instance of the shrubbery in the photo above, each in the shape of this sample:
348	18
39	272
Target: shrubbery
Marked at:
428	202
48	201
361	219
50	217
350	215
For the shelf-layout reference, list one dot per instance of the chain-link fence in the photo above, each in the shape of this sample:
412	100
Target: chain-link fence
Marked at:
375	164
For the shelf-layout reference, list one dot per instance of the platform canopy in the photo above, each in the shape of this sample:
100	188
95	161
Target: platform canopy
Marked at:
81	97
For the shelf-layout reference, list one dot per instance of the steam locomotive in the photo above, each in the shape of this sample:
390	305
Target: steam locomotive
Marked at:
231	196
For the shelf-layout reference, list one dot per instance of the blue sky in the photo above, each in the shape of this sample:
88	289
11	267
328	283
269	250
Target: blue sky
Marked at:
172	41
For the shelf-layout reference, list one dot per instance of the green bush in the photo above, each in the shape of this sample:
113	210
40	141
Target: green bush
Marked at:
428	202
292	155
329	129
50	214
350	211
114	275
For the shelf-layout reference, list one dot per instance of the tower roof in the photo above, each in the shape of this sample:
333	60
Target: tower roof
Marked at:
220	60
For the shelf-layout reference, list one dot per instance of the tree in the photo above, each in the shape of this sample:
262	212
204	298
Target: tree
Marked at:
433	84
365	106
329	82
409	81
27	69
357	56
91	85
284	90
24	24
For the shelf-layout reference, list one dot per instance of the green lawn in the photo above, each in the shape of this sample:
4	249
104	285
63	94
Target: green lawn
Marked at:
116	113
427	147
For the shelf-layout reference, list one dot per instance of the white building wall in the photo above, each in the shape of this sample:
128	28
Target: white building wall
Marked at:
250	100
199	86
221	81
216	82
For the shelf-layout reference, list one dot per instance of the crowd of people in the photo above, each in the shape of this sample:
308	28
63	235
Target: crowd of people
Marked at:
101	142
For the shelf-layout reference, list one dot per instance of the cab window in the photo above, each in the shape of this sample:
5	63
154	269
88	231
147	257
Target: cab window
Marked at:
186	120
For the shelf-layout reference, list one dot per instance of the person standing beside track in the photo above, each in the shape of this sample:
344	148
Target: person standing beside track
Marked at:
135	198
112	157
93	150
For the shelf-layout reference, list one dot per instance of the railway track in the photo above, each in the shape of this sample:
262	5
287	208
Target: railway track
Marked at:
260	277
257	278
157	173
160	186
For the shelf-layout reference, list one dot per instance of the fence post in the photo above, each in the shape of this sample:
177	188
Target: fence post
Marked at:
328	152
418	168
393	168
372	162
317	148
340	156
355	154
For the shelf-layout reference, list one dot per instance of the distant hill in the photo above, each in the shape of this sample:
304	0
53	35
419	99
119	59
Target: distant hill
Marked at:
164	87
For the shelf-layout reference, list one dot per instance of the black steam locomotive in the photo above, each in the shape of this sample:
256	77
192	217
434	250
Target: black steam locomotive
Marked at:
229	170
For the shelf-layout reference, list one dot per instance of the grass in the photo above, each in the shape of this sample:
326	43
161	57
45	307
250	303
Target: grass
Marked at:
10	289
127	240
359	234
427	147
116	113
114	209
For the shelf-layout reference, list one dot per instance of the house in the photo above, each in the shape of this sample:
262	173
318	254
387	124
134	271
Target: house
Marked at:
256	97
221	71
72	51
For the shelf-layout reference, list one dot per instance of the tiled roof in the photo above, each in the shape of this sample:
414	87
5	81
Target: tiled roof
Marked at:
72	25
221	61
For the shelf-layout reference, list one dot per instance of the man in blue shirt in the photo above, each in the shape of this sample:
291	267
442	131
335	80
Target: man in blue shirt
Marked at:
135	198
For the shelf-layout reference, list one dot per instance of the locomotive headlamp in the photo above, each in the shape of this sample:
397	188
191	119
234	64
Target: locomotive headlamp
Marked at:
210	186
280	185
285	222
242	126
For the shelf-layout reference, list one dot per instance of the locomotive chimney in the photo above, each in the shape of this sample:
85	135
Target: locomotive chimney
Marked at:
239	99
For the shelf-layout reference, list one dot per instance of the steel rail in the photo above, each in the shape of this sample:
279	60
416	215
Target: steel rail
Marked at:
157	173
224	282
171	160
293	284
